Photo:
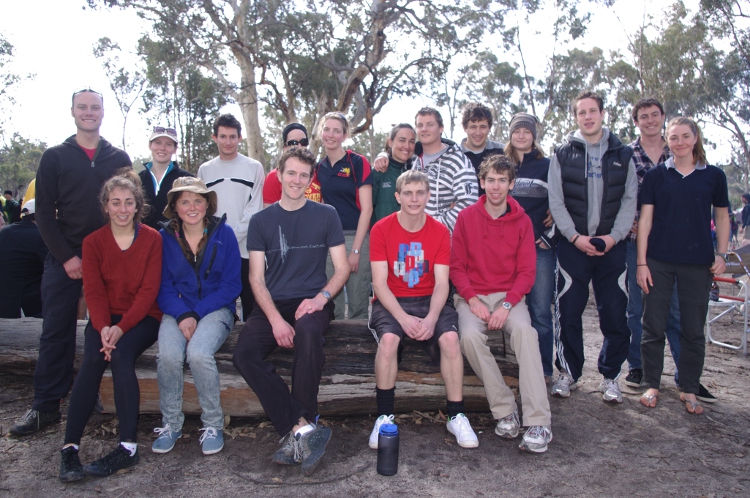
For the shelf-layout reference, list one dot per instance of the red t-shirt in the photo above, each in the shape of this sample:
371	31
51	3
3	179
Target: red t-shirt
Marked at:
89	152
272	189
411	256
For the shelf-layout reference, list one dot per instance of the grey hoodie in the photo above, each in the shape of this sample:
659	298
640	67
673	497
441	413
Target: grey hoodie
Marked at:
594	154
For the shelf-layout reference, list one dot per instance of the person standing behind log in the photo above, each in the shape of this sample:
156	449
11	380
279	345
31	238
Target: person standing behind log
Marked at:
400	149
68	183
121	276
293	135
200	285
288	243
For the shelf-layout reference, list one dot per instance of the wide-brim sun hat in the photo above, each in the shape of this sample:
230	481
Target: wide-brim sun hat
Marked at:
194	185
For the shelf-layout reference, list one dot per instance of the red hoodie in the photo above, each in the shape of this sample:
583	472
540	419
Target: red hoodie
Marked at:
489	256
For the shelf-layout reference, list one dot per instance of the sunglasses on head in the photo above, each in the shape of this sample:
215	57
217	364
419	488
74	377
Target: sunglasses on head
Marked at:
168	131
304	142
85	90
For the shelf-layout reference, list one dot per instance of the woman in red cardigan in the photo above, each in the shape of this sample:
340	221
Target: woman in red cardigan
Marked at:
121	278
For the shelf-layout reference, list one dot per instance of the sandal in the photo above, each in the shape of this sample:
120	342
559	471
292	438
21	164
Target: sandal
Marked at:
650	401
697	408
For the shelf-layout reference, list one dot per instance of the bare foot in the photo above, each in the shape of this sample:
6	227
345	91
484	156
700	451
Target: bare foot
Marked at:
691	404
650	398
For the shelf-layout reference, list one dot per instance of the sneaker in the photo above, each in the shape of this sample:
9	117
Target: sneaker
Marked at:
563	385
704	395
212	440
287	454
107	465
508	427
460	427
536	439
383	419
311	446
634	378
34	420
166	440
71	469
611	391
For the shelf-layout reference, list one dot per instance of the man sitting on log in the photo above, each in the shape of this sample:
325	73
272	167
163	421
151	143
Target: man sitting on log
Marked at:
493	264
410	255
288	243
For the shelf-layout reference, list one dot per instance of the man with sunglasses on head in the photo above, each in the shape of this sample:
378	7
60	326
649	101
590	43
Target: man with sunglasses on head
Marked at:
294	135
68	183
160	173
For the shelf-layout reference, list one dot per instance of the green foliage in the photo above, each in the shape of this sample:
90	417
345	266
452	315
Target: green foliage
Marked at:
19	160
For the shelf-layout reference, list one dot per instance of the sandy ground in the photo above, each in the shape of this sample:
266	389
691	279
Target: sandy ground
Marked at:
598	449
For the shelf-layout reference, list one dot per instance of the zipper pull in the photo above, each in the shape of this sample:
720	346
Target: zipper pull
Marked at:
92	164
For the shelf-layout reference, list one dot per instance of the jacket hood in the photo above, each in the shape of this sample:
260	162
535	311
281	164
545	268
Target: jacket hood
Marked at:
491	145
418	151
103	150
577	137
516	211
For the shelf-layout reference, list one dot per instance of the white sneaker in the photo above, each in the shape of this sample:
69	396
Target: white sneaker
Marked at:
563	385
460	427
536	439
508	427
383	419
611	391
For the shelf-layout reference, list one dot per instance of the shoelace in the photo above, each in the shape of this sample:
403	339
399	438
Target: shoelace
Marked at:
164	431
118	454
464	428
537	432
388	419
28	416
208	432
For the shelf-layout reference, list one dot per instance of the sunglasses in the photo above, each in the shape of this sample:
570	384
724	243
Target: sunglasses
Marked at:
169	131
304	142
85	90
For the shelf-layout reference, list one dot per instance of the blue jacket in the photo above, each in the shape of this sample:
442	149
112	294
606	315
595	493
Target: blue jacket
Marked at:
212	283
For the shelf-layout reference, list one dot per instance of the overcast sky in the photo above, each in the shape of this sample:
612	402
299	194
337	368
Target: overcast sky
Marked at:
53	39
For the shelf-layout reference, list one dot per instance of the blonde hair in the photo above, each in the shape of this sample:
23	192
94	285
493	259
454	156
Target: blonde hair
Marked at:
411	176
699	153
337	116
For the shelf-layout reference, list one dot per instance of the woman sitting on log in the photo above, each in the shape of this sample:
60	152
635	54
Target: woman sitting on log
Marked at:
200	284
121	277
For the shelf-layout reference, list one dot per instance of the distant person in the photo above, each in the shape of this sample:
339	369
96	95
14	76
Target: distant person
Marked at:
238	183
200	284
160	173
746	216
400	149
592	198
411	261
346	184
12	208
288	243
493	264
122	272
674	246
68	183
22	255
293	135
476	120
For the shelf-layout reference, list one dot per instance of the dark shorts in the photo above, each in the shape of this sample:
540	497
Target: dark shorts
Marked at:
382	322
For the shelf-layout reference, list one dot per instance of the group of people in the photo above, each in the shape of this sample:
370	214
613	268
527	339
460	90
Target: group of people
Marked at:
456	241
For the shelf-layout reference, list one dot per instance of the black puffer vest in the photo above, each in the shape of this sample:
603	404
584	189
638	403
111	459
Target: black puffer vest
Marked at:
573	170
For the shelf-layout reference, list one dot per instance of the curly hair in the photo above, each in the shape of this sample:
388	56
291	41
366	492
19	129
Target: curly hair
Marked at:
128	179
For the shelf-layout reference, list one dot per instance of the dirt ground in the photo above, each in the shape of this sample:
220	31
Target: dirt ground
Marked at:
598	449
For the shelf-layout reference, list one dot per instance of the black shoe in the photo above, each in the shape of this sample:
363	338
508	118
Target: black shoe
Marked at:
286	455
107	465
34	420
634	378
71	469
312	446
704	395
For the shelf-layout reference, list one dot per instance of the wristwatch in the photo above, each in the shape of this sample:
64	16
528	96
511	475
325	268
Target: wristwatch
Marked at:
355	251
506	305
722	255
326	294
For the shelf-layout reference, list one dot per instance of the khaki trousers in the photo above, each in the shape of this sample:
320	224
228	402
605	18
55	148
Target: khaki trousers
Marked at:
524	340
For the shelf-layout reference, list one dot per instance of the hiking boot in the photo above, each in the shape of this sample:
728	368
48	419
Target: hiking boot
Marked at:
34	420
107	465
704	395
536	439
286	455
611	391
634	378
460	427
166	440
509	426
71	469
212	440
383	419
563	385
311	446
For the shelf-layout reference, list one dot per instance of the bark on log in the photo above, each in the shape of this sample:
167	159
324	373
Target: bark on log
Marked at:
347	386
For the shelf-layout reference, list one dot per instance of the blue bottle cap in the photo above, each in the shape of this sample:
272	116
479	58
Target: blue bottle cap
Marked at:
389	429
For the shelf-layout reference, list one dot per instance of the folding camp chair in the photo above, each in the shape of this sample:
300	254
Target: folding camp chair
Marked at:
737	264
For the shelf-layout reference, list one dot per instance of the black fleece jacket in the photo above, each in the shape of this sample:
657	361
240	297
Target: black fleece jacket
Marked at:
68	185
157	202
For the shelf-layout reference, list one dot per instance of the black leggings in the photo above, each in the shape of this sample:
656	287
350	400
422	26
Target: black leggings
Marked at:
127	393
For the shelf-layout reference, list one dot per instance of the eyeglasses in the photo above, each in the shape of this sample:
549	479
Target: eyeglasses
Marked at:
85	90
169	131
304	143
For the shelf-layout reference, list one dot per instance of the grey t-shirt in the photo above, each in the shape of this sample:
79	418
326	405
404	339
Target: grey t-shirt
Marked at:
296	246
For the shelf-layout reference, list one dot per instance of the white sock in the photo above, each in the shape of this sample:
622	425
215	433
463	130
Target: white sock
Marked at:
71	444
131	447
304	430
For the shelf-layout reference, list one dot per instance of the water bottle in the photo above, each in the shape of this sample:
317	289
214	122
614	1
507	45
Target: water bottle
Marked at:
388	450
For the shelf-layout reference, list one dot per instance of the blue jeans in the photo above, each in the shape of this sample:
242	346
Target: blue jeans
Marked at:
211	332
539	301
635	316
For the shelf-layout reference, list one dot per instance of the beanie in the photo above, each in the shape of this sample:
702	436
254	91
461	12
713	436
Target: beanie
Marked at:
523	120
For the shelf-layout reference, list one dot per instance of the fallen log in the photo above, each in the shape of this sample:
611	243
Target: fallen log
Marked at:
347	386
